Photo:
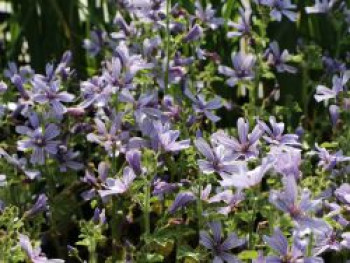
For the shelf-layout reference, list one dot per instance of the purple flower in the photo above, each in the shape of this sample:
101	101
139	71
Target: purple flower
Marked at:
148	10
95	182
332	65
171	110
95	44
39	206
287	160
343	193
328	160
279	243
277	59
207	15
232	200
275	133
20	164
67	159
165	139
113	76
162	187
327	241
244	178
63	68
219	247
39	139
51	94
3	87
133	157
111	139
200	106
34	254
218	159
243	25
324	93
131	63
3	181
205	193
246	145
99	216
195	33
181	200
144	105
119	185
334	112
287	201
346	240
243	68
281	7
96	91
321	6
24	73
125	29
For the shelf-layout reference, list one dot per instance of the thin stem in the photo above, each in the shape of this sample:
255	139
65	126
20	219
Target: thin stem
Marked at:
167	43
199	204
50	180
93	255
114	226
147	207
252	223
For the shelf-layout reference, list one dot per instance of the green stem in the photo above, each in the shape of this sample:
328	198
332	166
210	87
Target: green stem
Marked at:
199	205
50	180
114	226
93	255
167	47
252	223
147	207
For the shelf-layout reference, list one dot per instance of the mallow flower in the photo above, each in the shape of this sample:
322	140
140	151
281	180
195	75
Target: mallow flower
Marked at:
324	94
111	138
346	240
245	147
321	7
328	241
49	93
286	254
34	253
232	200
194	34
119	185
201	106
278	59
217	159
243	68
280	8
244	178
243	26
343	193
220	247
95	182
39	206
207	15
274	133
40	139
287	160
97	40
181	200
96	91
328	160
298	208
164	139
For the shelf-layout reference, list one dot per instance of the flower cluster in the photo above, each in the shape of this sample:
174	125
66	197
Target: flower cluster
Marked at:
138	163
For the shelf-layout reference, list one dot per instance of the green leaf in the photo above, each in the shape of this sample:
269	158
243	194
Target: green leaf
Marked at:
248	254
